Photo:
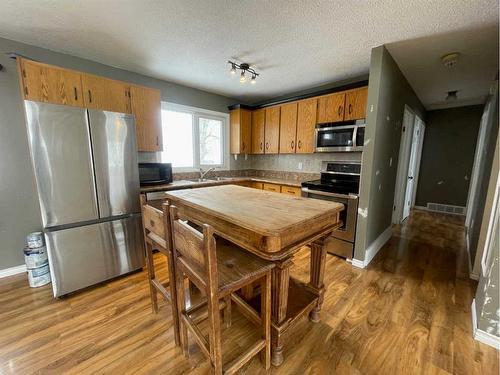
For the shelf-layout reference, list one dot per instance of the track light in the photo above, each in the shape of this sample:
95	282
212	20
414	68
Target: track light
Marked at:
243	67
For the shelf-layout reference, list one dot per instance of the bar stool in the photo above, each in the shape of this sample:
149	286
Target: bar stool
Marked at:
219	268
156	227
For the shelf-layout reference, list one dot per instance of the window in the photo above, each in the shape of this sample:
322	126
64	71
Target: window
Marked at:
194	138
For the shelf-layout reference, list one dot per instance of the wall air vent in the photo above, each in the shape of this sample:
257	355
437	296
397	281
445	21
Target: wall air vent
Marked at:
446	208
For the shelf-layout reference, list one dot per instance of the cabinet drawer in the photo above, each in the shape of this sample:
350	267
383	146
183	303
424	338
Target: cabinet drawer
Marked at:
272	187
291	190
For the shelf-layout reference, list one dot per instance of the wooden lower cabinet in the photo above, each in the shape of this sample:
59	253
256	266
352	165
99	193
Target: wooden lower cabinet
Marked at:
291	190
272	187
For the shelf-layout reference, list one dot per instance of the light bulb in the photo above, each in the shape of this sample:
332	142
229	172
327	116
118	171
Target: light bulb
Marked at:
253	81
233	70
242	76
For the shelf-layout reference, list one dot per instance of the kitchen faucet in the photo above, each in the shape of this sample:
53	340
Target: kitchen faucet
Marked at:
204	173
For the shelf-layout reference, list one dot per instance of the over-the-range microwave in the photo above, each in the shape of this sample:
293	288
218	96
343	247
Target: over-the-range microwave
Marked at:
340	137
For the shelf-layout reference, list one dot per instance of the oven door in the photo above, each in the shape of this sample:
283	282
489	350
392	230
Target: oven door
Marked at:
348	216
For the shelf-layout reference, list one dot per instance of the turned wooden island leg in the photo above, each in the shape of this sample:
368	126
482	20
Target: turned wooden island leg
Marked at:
280	281
317	275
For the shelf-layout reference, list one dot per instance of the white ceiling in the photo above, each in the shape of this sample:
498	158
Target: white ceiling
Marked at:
420	61
294	44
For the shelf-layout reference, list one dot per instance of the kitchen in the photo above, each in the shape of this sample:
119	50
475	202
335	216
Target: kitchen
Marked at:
283	149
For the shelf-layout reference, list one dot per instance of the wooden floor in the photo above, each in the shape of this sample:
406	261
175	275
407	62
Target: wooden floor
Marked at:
407	313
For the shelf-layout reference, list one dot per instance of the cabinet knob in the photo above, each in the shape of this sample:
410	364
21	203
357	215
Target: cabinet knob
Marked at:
76	93
292	144
350	108
261	145
340	110
267	145
299	144
90	97
242	146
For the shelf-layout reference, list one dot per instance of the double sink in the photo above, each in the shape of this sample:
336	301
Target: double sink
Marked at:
211	179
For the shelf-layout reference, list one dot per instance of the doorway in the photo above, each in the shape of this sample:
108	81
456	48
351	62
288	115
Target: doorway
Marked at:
410	152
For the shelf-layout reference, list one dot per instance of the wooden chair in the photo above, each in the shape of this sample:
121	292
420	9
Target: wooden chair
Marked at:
156	227
219	268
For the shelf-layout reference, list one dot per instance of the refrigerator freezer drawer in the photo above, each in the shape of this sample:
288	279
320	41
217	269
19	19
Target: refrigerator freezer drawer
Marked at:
86	255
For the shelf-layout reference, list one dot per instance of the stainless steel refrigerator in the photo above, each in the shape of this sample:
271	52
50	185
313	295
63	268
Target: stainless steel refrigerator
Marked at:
87	177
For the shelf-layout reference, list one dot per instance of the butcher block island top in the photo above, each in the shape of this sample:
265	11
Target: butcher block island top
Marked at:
272	224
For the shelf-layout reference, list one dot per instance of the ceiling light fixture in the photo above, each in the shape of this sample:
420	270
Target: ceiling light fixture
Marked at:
450	60
452	96
243	67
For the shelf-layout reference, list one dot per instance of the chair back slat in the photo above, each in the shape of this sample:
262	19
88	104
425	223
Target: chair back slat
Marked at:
189	244
153	221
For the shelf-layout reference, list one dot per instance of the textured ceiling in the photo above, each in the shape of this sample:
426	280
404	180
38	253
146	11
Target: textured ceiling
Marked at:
293	44
420	61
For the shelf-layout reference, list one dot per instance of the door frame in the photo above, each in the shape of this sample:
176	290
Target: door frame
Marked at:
403	161
419	158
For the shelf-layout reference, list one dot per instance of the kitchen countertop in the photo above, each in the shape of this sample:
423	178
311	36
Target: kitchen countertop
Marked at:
187	184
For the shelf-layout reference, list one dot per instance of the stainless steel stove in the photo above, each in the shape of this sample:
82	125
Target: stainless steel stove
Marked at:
339	182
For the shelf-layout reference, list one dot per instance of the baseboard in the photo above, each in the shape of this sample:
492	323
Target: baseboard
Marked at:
373	249
12	271
358	263
376	245
474	276
480	335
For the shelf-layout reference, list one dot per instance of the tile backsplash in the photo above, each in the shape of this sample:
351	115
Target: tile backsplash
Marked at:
311	163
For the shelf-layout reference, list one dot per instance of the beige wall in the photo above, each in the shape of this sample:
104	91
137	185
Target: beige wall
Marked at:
388	92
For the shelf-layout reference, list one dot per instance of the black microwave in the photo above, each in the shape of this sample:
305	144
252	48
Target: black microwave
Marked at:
155	173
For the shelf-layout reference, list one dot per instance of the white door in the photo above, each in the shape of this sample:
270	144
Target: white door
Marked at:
412	167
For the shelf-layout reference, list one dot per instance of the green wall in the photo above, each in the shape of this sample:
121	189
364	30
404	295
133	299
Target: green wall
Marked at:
448	155
388	92
18	201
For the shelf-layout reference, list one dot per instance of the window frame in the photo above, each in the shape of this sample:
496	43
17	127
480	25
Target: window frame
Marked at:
196	114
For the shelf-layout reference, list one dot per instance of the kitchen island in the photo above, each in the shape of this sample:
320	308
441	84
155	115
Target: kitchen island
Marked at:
274	227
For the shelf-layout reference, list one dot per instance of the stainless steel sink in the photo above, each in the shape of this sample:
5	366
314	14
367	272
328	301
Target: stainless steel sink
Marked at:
223	178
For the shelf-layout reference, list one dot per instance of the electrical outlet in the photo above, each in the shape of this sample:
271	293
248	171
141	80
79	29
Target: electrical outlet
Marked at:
300	166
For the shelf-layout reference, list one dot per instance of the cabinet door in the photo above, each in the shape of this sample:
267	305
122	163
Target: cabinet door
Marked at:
331	108
106	94
146	107
240	131
44	83
306	123
288	128
272	132
355	103
258	126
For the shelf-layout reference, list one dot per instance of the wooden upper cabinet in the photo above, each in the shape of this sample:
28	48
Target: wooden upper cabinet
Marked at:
272	132
106	94
355	103
331	108
288	128
258	131
240	132
146	107
306	125
45	83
